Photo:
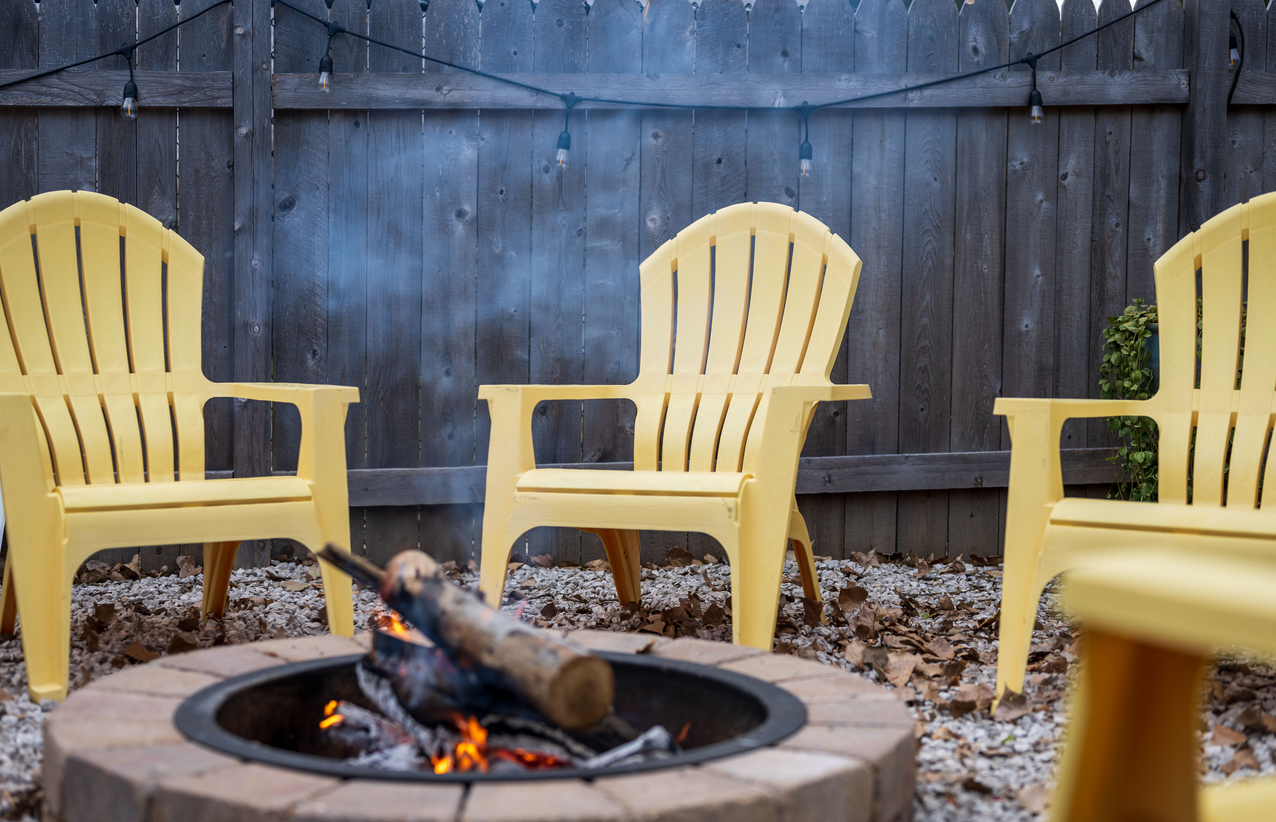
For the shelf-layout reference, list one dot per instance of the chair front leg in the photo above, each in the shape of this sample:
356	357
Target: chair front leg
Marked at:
219	561
623	554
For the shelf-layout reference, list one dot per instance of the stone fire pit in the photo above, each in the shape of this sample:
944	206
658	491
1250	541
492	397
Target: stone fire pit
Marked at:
112	753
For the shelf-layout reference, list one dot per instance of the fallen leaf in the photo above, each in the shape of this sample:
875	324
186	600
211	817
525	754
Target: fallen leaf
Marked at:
680	557
314	571
1226	736
899	668
952	671
598	565
868	560
940	648
1243	758
877	659
955	567
550	610
104	613
514	566
293	585
543	561
851	597
972	784
1011	707
812	611
710	559
1034	798
945	603
188	567
181	643
140	652
853	652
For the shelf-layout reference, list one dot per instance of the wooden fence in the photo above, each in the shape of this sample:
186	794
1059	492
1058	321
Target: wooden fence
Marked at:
408	233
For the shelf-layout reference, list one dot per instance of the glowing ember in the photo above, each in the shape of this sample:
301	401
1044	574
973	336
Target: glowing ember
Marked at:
331	715
390	622
472	753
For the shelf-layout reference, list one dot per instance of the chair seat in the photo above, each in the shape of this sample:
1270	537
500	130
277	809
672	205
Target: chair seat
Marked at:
660	483
1165	517
137	495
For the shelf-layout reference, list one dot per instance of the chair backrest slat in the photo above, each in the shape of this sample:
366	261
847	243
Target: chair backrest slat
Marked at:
744	289
88	336
1215	416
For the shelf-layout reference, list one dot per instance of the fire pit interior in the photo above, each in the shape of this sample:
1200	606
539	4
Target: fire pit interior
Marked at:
273	716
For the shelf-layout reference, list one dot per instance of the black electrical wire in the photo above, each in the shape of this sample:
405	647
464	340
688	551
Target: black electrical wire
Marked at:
1237	75
124	51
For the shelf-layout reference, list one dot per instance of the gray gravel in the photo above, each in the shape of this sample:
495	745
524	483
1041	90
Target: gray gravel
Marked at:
970	767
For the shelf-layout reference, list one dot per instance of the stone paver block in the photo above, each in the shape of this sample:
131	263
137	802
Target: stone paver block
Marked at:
155	680
807	785
115	783
241	793
311	647
78	734
374	800
890	750
778	668
553	801
621	643
884	713
97	702
690	795
223	662
704	651
836	687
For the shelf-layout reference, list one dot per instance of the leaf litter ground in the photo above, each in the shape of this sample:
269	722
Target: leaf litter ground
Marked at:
926	631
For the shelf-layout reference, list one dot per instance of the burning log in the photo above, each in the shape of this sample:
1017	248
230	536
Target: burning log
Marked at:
360	730
569	686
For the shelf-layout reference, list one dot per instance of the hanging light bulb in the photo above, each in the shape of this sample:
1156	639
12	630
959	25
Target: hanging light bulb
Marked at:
325	72
564	149
1038	113
804	158
1233	51
128	107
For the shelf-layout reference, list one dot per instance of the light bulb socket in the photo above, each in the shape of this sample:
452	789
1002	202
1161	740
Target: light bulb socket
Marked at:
130	90
1034	99
565	141
804	150
325	64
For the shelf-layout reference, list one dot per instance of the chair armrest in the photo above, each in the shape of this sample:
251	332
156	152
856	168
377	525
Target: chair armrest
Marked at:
294	393
540	393
1065	409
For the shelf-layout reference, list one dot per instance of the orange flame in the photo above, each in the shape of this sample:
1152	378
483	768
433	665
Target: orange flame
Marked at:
390	622
332	717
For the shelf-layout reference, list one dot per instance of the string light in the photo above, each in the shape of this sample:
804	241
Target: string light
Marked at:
565	139
1233	51
128	106
804	150
1037	113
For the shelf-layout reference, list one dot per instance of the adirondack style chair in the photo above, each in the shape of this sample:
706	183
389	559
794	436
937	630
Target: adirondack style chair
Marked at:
1152	623
1213	435
102	428
742	316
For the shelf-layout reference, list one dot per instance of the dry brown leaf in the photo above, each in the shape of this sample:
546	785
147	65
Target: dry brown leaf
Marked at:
680	557
181	643
1034	798
104	613
899	668
812	611
851	597
853	652
140	652
1243	758
598	565
868	560
940	648
550	610
5	696
877	659
1224	735
1011	707
945	603
293	585
543	561
514	566
188	567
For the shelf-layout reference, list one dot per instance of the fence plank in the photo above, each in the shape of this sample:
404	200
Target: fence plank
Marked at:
19	127
927	303
828	44
1072	375
1110	230
396	179
347	246
1204	140
206	213
1269	114
1245	177
877	219
1154	196
69	137
504	201
557	259
978	278
116	137
668	162
449	298
613	146
300	245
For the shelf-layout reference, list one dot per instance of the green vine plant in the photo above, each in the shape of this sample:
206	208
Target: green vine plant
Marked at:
1126	374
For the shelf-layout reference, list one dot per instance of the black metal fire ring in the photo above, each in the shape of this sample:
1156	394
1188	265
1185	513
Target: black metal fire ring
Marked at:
196	718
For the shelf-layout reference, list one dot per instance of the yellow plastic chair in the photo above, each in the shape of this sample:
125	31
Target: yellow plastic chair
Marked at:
102	428
1047	534
1152	622
742	316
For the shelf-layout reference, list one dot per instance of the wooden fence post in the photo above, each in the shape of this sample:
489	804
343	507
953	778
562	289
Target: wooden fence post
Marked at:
1204	146
250	334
